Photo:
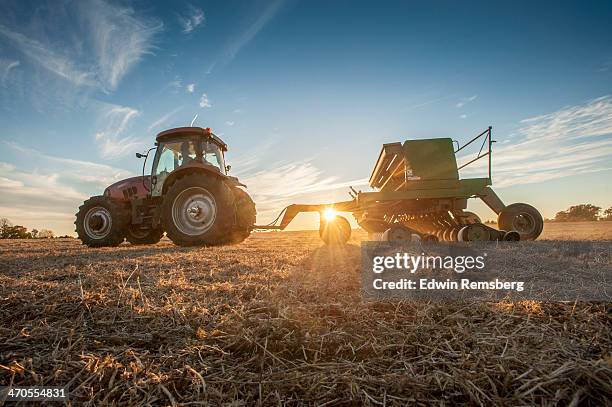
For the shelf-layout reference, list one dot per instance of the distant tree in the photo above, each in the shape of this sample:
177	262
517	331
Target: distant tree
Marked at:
16	232
583	212
5	224
45	234
607	215
34	233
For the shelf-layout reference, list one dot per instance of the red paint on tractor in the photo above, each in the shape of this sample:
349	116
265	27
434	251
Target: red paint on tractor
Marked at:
128	189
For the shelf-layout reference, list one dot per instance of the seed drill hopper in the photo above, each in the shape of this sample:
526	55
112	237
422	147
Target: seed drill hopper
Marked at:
419	195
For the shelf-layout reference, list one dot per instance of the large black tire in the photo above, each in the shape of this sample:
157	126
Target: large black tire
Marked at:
198	210
137	236
102	221
246	215
522	218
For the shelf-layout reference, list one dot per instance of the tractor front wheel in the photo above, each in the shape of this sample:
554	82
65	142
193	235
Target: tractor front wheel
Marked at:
198	210
101	221
522	218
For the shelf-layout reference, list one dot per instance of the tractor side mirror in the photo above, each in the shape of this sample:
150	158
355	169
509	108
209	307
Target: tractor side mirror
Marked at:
227	168
138	155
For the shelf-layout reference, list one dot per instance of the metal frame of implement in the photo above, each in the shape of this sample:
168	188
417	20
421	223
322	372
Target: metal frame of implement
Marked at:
418	191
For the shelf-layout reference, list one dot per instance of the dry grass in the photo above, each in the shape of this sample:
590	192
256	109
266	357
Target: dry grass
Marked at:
277	320
577	231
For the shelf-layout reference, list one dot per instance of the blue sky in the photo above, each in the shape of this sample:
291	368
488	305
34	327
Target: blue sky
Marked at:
304	93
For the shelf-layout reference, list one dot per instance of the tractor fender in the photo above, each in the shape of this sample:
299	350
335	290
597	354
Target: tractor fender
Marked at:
206	170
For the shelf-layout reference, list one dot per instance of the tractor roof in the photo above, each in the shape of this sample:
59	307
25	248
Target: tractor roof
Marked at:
188	131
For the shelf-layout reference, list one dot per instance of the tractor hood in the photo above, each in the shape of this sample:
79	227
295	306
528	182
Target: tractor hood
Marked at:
129	188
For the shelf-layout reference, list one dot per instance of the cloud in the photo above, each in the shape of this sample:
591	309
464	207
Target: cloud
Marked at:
234	46
301	182
48	58
120	39
5	68
47	191
191	22
204	102
229	123
190	87
428	102
175	85
571	141
100	175
465	101
105	42
157	123
463	116
275	184
112	140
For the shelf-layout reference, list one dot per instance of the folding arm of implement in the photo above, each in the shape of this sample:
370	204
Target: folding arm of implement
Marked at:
418	192
293	210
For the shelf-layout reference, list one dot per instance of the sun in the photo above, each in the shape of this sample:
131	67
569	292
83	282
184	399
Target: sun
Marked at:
329	214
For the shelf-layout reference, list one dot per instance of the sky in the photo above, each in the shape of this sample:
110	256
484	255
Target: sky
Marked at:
304	93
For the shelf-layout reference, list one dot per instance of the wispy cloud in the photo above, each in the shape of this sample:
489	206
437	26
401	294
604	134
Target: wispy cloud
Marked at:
162	120
571	141
49	192
275	185
120	39
190	88
234	46
176	84
193	20
204	102
112	140
301	182
106	42
52	60
428	102
465	101
229	123
5	68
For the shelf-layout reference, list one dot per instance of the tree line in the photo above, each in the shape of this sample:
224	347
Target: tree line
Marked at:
583	212
10	231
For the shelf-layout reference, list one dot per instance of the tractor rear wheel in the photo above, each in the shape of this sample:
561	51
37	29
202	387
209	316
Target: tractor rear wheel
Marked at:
245	216
522	218
137	236
198	210
101	221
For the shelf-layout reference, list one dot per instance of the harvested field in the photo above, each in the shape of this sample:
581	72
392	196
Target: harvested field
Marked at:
278	319
577	231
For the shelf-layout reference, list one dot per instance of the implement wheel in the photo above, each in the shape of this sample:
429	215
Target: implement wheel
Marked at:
476	232
336	231
522	218
398	233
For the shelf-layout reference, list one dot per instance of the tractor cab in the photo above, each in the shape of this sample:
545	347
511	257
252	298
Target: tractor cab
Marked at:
186	148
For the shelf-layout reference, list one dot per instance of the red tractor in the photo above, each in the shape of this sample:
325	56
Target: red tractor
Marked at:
188	195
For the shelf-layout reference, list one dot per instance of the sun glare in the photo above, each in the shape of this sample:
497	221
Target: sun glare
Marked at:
329	214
